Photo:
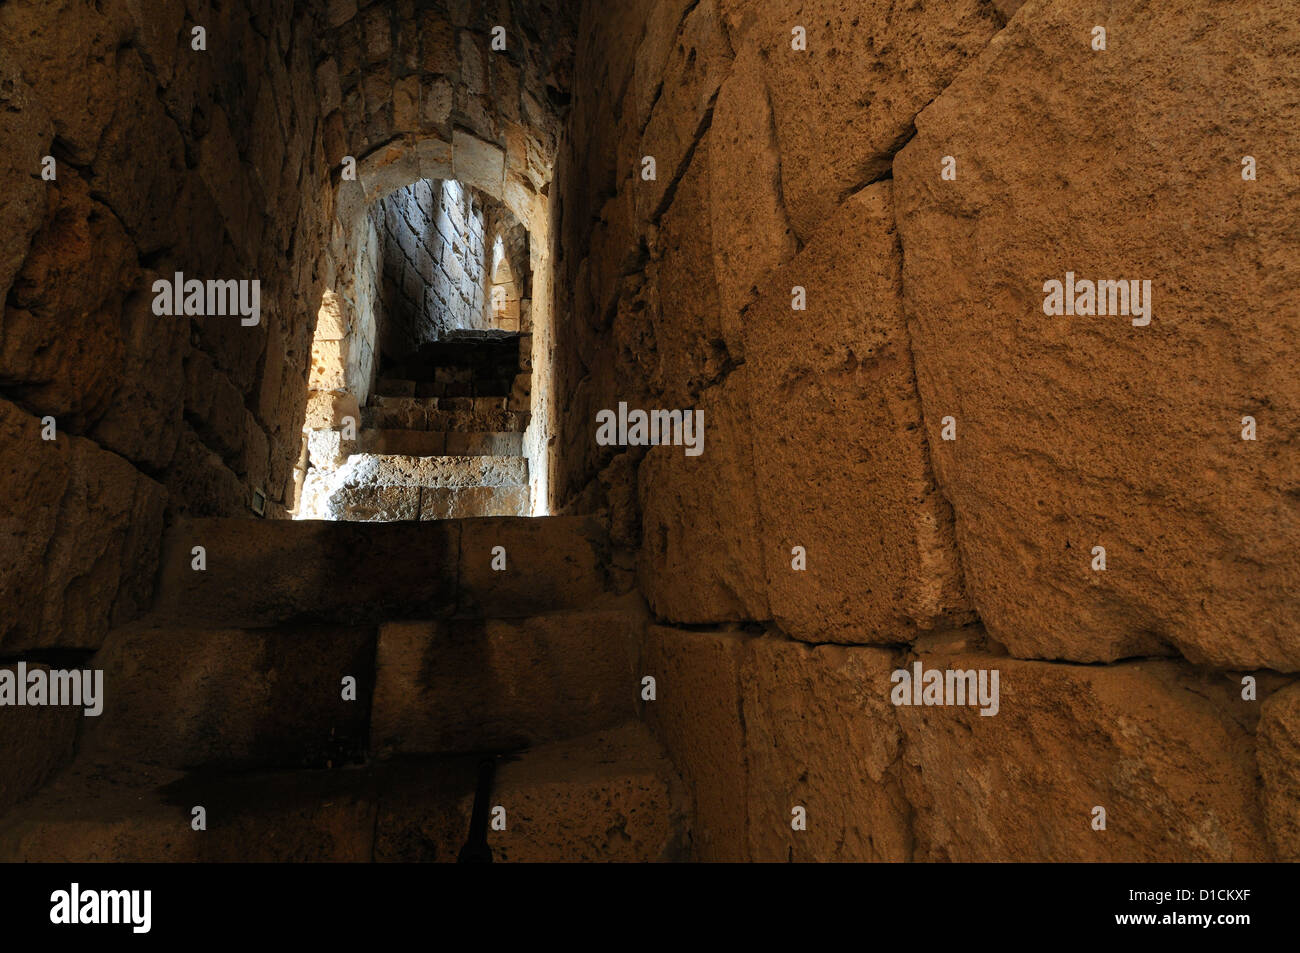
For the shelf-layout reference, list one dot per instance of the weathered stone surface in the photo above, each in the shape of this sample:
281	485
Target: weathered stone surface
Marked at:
79	532
553	563
1083	431
751	232
696	66
26	130
483	685
136	813
697	717
842	465
819	734
1278	737
869	68
229	698
1166	752
447	503
263	572
700	559
603	798
34	743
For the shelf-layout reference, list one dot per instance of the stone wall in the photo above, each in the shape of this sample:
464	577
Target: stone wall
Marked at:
904	455
163	158
434	264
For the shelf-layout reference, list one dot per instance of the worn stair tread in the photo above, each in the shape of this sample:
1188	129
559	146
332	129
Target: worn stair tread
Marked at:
434	443
191	697
266	572
610	796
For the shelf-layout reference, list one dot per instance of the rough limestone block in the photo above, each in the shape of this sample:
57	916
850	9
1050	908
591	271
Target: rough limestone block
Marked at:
696	67
35	741
608	798
700	559
553	563
446	503
690	336
1278	737
843	106
194	697
819	734
696	715
496	684
263	572
381	504
479	164
79	533
751	231
137	813
1167	753
842	466
1077	431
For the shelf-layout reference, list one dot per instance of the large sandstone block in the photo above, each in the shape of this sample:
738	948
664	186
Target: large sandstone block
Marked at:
842	467
696	65
697	717
608	798
843	106
1168	754
1279	766
79	535
552	563
700	558
136	813
1082	431
819	734
495	684
35	742
264	572
752	235
230	698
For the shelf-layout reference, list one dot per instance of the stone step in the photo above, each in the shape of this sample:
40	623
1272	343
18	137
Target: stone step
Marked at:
391	504
267	572
389	487
240	699
430	443
611	796
443	414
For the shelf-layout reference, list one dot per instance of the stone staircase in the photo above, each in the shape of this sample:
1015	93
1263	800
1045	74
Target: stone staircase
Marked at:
328	691
421	457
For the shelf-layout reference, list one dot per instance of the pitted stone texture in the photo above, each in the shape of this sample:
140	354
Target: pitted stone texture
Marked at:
752	235
1078	431
843	106
1167	752
700	559
610	797
842	466
1278	737
697	63
485	685
696	715
449	503
229	698
79	532
819	734
36	742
